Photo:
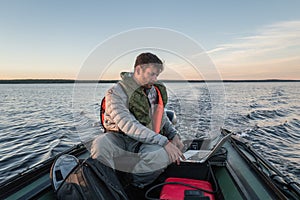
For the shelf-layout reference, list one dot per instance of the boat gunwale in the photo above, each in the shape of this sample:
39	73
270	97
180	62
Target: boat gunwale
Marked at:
237	144
16	183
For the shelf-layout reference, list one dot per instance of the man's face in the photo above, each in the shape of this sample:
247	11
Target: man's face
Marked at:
147	75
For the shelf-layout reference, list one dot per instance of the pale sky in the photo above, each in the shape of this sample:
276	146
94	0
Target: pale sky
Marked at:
244	39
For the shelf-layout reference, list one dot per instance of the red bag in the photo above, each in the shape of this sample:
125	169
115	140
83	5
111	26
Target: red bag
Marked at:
175	191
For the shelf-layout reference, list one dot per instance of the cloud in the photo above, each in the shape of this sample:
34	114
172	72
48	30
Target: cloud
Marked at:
273	46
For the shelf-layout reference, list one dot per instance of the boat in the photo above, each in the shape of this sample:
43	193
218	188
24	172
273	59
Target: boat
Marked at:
241	174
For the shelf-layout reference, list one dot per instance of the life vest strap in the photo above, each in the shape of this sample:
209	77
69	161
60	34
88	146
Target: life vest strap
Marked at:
158	112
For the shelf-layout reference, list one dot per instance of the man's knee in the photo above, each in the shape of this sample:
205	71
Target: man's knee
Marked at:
106	145
154	156
154	150
99	146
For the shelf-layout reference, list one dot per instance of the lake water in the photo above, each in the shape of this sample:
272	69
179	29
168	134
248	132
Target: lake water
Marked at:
38	121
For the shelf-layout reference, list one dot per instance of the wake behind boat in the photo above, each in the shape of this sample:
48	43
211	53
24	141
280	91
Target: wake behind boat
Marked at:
236	171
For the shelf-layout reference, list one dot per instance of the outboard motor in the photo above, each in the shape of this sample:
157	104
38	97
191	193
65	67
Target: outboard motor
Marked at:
172	116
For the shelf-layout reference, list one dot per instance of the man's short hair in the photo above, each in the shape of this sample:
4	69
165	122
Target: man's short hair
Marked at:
148	58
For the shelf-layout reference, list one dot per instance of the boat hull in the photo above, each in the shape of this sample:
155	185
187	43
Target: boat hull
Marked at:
236	177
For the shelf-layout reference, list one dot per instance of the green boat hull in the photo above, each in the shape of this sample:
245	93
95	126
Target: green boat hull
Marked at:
243	175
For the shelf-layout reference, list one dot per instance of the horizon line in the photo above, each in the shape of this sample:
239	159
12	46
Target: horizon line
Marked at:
49	81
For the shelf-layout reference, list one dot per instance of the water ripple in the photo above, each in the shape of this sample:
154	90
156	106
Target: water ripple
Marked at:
40	121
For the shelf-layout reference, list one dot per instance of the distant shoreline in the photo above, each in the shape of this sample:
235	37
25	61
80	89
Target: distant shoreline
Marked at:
53	81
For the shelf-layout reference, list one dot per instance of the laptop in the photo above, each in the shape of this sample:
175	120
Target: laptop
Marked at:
200	156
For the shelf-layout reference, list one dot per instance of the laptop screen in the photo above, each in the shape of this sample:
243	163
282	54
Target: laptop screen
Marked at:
201	156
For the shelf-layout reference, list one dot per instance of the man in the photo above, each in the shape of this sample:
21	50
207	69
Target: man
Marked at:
136	122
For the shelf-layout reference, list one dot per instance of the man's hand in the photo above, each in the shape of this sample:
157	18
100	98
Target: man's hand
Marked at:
174	153
177	142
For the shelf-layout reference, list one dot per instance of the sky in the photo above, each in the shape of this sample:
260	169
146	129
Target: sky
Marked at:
243	40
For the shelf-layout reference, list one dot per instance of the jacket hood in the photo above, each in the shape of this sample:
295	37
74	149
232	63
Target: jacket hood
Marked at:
128	82
126	75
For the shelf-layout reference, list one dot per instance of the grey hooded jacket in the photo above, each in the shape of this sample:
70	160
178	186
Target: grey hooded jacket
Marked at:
119	118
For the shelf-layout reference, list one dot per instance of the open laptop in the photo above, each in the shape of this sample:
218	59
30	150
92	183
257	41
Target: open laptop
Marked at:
200	156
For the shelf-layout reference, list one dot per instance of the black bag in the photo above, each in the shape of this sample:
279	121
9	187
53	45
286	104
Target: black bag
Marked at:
90	179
